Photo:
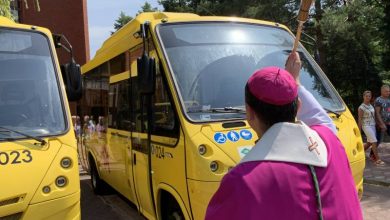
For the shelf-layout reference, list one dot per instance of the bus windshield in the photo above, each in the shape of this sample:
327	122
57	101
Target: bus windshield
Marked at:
30	100
212	61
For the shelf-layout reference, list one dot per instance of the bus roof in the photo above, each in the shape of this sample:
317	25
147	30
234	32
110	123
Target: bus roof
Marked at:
119	42
8	23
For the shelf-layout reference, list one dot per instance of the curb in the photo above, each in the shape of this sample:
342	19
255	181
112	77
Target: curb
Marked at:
376	182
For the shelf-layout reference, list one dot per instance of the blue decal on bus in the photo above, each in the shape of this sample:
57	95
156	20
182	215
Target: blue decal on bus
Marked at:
220	138
233	136
245	134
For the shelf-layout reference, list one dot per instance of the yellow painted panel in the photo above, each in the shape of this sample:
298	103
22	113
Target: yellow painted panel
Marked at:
63	208
119	77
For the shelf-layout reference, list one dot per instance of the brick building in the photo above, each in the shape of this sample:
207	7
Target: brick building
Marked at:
67	17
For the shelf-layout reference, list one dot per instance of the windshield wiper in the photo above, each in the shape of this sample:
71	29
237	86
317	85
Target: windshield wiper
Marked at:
333	112
219	110
43	142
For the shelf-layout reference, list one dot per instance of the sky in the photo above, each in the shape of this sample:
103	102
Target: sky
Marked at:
102	15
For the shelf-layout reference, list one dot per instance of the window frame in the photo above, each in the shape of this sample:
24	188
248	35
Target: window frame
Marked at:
310	59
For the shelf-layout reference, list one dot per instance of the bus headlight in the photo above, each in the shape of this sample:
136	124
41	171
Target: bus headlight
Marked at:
202	149
46	189
61	181
214	166
66	162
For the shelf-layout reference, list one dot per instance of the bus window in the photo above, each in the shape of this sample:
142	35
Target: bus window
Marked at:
212	62
93	105
164	120
29	93
119	109
139	109
118	64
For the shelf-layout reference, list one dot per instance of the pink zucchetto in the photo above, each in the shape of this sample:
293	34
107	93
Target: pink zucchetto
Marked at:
273	85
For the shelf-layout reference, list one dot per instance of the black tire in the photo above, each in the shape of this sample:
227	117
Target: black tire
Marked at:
176	215
171	210
98	185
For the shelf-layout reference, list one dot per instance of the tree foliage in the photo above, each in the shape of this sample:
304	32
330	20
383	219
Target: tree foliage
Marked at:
352	37
123	18
121	21
354	49
277	10
147	7
5	9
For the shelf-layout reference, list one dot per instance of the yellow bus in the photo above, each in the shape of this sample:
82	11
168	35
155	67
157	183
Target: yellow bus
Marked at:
166	94
39	174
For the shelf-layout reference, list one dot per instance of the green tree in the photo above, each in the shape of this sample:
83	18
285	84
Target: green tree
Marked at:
386	28
178	5
147	7
281	11
121	21
354	49
5	9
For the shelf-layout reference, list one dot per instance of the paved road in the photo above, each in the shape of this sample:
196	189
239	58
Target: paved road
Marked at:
375	204
379	175
106	207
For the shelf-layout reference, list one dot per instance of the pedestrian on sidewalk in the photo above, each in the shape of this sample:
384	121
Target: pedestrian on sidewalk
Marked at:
366	122
382	114
297	169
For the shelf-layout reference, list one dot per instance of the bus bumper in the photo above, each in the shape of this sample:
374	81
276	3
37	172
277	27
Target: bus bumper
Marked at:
200	196
357	168
64	208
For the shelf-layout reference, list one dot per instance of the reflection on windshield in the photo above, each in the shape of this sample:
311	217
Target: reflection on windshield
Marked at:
29	94
212	62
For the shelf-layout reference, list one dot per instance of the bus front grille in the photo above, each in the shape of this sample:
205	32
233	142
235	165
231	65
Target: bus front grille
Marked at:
9	201
15	216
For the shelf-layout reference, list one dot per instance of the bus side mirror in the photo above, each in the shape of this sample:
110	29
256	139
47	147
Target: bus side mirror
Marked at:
146	75
71	74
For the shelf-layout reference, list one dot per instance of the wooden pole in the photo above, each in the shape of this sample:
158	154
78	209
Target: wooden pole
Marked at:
298	36
303	15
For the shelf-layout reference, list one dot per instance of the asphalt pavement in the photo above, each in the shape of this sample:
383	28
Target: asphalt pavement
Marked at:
379	174
107	207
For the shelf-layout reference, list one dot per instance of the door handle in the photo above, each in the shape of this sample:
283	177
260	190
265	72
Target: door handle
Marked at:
134	159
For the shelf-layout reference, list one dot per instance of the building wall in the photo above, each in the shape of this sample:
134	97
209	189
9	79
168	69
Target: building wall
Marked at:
67	17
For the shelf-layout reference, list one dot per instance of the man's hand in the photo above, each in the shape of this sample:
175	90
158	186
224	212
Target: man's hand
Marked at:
383	127
293	65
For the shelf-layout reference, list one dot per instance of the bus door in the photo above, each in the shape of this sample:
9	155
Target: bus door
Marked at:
140	149
139	142
119	134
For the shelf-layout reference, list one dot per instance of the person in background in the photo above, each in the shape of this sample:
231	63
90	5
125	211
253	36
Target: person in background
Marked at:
297	169
91	125
85	126
77	127
382	115
366	122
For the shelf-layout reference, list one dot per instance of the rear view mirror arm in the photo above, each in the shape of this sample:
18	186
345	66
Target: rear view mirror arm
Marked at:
68	47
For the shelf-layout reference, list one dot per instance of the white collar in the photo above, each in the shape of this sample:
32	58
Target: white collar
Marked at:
290	142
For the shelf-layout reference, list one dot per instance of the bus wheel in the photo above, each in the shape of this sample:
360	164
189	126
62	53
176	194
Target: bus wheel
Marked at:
176	216
98	184
171	209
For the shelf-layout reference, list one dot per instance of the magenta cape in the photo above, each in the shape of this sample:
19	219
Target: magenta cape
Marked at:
284	190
